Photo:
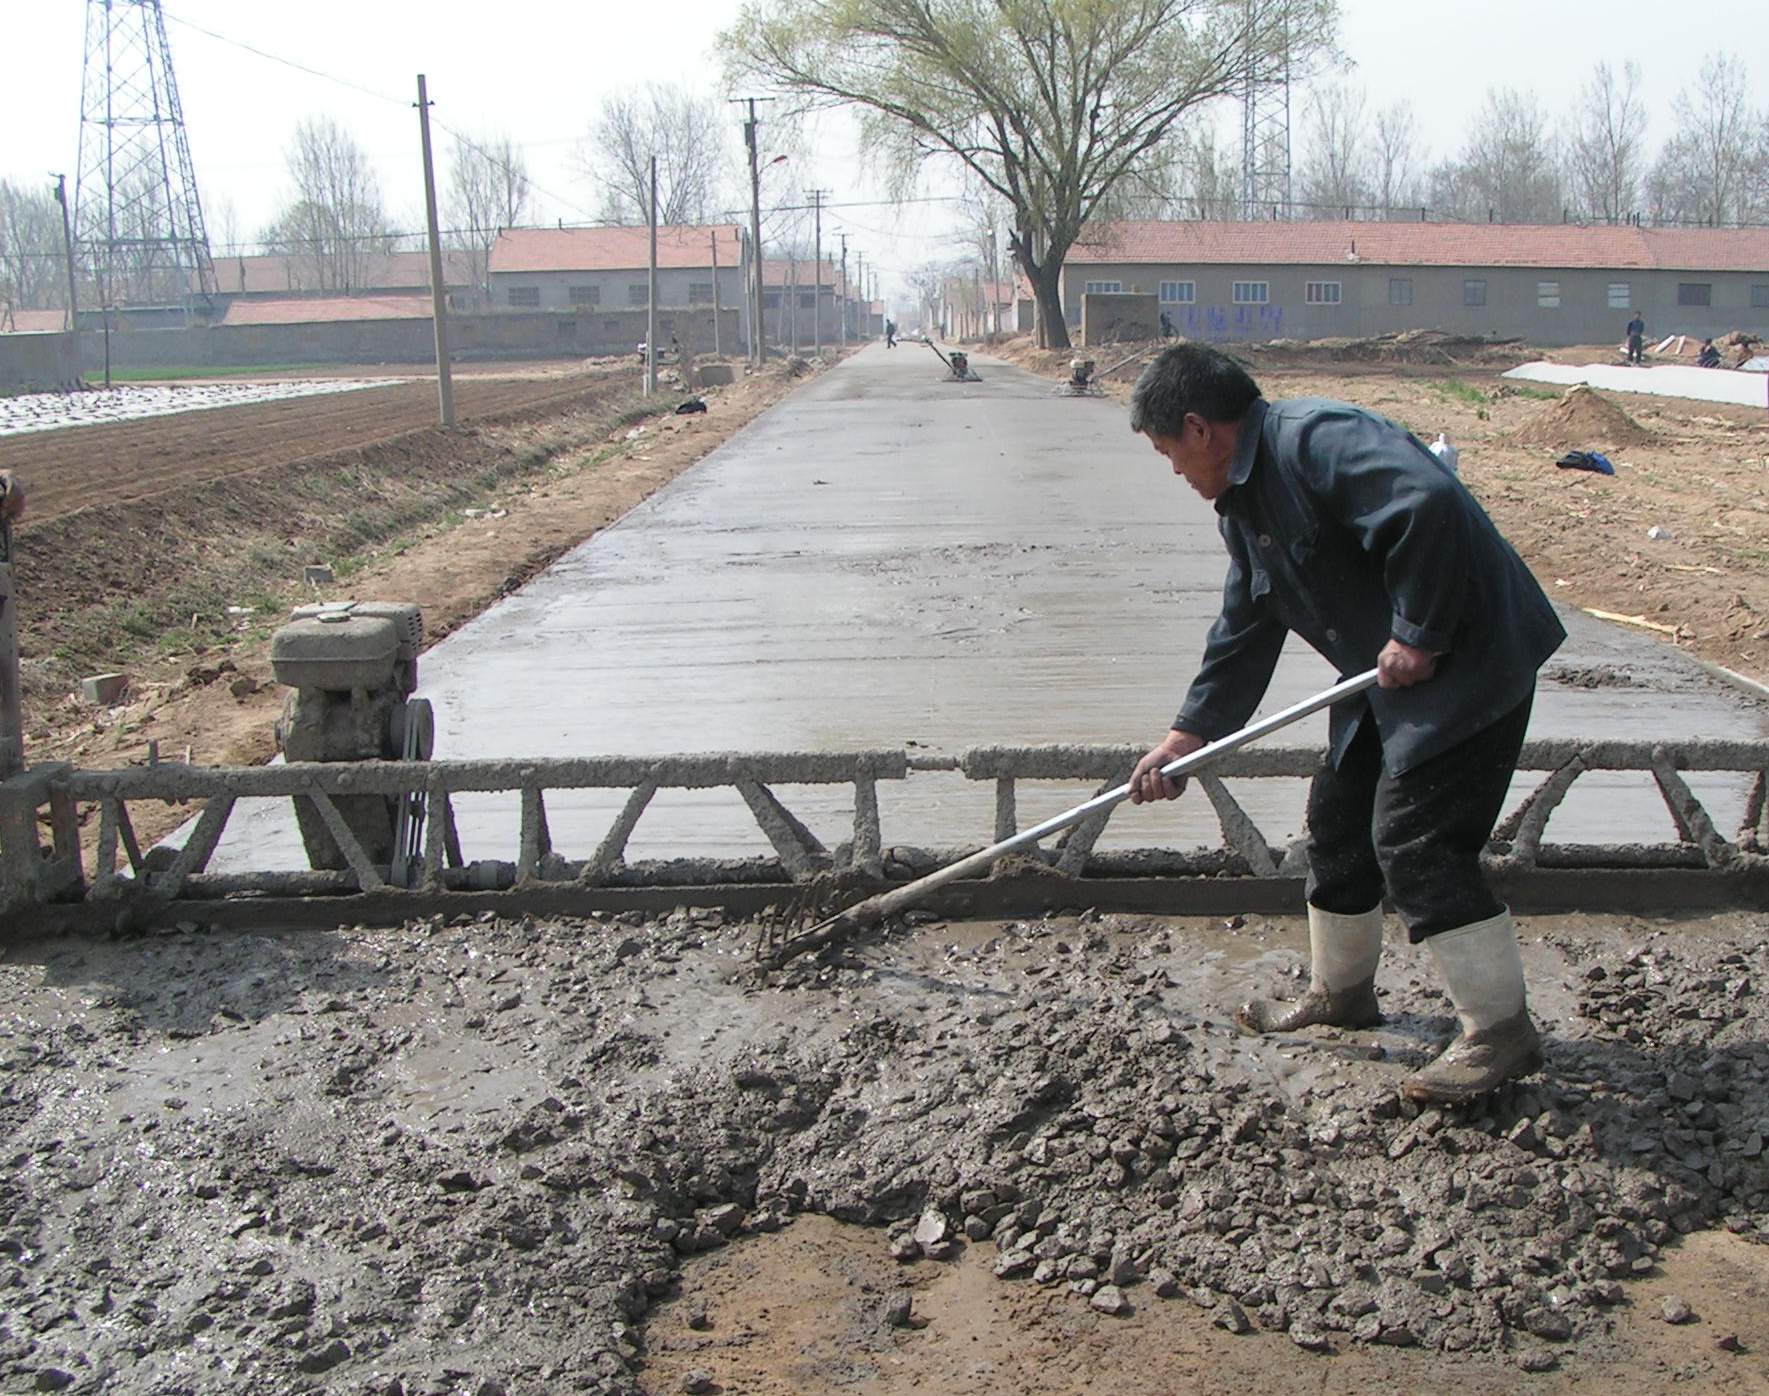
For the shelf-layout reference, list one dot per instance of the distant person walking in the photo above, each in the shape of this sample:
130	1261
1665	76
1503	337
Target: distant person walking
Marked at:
890	334
1166	325
1637	340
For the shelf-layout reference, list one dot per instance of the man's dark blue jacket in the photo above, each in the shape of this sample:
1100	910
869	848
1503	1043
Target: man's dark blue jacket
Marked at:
1342	527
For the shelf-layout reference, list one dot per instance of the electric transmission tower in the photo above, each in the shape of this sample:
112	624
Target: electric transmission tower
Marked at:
138	221
1265	118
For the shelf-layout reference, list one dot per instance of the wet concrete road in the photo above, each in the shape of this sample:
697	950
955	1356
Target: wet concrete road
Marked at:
887	558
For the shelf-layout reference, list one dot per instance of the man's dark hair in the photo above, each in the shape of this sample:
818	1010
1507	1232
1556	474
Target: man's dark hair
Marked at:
1190	378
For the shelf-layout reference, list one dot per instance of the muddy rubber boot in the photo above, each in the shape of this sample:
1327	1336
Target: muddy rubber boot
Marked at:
1343	951
1498	1043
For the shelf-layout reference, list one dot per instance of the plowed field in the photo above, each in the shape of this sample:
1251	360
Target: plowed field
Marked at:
124	462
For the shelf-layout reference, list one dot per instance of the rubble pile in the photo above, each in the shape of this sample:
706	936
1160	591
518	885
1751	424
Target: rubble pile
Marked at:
470	1157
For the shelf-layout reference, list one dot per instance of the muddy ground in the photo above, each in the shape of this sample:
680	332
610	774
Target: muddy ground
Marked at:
1031	1156
1697	471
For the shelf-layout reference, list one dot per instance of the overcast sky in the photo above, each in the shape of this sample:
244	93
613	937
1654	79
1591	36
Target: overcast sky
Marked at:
537	70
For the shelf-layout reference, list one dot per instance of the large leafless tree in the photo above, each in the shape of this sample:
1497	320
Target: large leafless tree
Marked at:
335	225
1396	160
488	189
1051	103
1715	169
1507	169
1607	154
33	274
1333	176
688	133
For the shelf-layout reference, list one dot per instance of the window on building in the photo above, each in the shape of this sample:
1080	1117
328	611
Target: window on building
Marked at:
525	295
638	293
1322	293
1400	290
1760	295
586	295
1103	288
700	293
1179	292
1695	293
1548	295
1251	292
1474	291
807	300
770	300
1621	295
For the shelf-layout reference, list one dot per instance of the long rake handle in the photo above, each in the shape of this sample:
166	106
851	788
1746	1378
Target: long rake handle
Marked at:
875	909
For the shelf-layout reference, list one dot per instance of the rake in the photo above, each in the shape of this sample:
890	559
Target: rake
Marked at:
867	914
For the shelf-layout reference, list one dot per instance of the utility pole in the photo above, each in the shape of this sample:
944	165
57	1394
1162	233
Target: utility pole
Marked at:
756	351
67	246
715	243
816	197
445	389
843	300
791	301
12	722
651	294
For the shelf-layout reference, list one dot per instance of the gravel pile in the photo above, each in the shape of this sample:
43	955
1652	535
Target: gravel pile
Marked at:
468	1158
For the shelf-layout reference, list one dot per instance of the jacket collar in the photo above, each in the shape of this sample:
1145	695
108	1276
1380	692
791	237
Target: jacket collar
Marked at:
1246	449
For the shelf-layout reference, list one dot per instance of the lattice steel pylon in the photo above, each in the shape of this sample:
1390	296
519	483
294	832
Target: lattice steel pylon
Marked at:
137	218
1265	114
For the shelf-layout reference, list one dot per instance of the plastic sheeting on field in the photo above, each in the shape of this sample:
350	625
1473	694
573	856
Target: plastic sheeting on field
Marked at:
1661	380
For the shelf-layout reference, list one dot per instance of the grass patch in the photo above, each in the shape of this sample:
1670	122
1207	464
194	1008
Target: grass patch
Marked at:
1457	391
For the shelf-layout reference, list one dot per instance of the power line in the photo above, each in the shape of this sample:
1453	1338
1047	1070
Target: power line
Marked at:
472	145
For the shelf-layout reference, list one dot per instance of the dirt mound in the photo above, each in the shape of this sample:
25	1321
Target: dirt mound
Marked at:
1583	418
1404	347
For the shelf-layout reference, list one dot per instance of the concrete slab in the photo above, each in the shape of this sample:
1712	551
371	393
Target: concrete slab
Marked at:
889	558
1660	380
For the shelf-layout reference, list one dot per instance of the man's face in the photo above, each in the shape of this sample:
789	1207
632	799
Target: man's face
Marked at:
1200	454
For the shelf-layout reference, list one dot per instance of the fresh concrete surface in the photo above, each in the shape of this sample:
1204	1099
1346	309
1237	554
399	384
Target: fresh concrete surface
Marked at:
1661	380
888	558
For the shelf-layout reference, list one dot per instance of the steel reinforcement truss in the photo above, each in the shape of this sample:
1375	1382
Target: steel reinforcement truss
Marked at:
47	882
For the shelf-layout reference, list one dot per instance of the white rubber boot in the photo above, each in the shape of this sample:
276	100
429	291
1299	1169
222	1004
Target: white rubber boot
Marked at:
1483	970
1343	952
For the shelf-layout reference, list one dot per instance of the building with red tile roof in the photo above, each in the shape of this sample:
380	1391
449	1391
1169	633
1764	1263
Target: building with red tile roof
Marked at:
1549	284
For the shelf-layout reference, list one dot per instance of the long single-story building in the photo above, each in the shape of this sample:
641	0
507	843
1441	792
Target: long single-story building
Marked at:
587	270
1550	284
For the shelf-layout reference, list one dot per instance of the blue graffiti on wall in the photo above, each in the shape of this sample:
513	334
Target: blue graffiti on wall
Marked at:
1236	322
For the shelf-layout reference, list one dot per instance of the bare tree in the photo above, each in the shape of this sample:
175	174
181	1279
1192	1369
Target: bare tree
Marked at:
688	134
336	224
1334	173
488	189
1395	159
1051	103
1714	170
33	274
1507	169
1208	179
1607	158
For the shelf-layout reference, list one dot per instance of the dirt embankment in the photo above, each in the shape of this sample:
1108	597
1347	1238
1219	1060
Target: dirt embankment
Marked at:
1696	472
181	585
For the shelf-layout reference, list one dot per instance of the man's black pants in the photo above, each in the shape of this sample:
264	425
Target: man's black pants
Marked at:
1417	835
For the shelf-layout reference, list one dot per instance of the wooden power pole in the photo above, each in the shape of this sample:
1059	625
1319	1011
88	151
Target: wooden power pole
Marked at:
445	390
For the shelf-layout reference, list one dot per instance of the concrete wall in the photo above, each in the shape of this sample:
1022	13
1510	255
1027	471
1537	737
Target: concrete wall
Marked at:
1368	302
1116	319
37	362
500	335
